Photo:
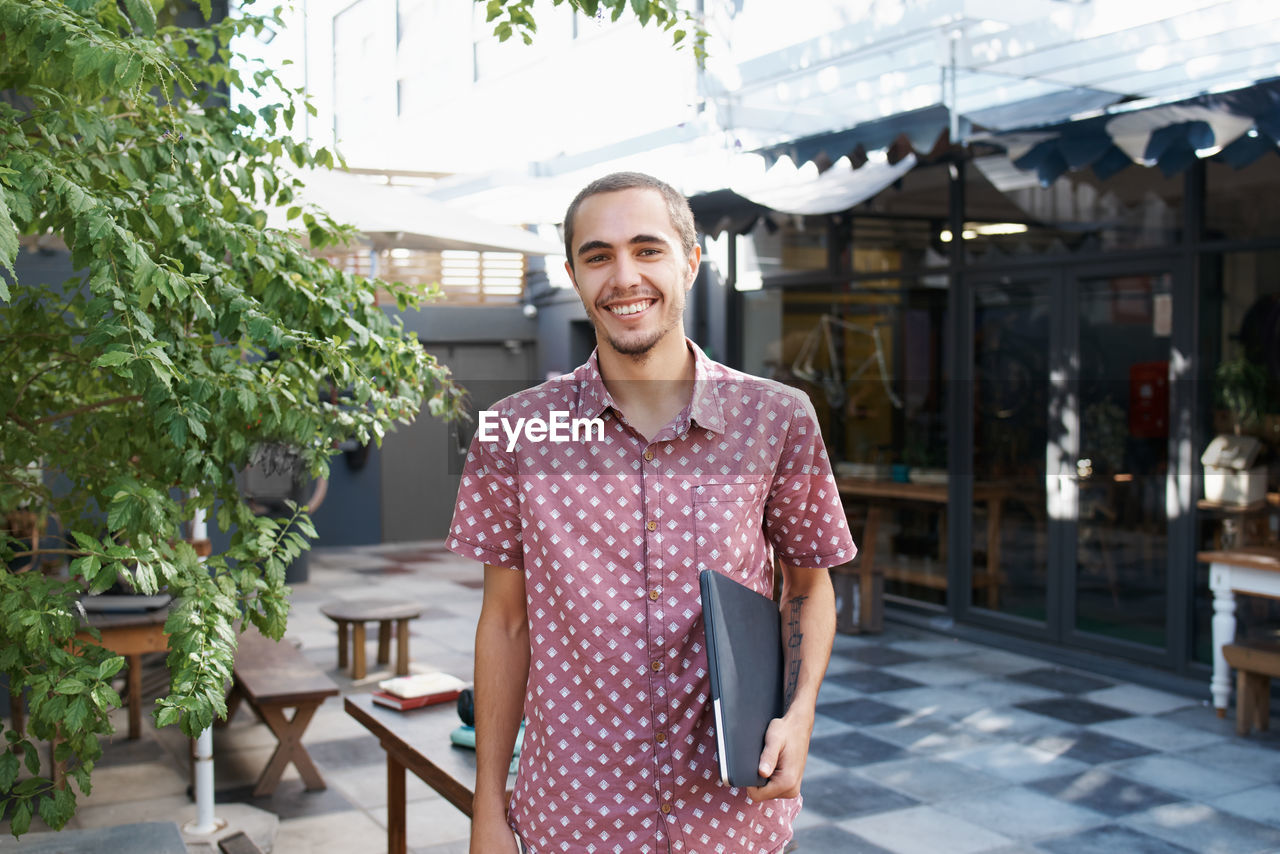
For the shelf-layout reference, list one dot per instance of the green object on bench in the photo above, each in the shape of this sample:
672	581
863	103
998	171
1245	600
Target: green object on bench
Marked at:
153	837
465	736
275	676
1255	664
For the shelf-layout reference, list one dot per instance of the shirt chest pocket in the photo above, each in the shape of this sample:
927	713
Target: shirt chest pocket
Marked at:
728	524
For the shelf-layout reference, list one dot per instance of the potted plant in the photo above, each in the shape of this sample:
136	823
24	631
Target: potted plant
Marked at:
1243	388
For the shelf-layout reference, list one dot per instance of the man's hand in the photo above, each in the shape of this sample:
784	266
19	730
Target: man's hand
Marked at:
786	747
492	836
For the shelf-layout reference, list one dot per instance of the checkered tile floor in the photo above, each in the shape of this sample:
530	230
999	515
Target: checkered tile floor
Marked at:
923	743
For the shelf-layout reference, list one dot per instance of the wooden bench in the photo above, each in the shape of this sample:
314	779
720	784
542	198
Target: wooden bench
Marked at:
272	677
1255	664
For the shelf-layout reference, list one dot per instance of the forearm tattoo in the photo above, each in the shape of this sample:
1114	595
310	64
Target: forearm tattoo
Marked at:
793	657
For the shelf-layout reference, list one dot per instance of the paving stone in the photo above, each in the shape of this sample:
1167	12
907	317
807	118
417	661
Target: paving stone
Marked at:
871	681
1188	779
924	830
841	796
1140	701
862	712
1015	762
1261	804
1062	680
1112	840
929	779
1203	828
853	749
1074	710
943	672
1021	813
1091	747
1158	733
828	839
1104	792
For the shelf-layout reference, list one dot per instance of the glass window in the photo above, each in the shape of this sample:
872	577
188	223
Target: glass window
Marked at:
1240	382
1137	208
1243	204
872	360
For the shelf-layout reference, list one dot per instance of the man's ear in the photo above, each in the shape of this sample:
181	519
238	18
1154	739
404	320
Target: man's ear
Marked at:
695	259
568	268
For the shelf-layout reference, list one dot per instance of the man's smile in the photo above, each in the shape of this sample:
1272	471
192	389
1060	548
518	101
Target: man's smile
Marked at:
630	308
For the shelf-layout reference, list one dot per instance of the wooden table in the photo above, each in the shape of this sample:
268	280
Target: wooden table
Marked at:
1245	570
355	613
1242	524
418	740
878	494
130	633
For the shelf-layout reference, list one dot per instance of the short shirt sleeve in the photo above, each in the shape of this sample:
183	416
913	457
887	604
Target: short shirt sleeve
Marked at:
804	517
486	513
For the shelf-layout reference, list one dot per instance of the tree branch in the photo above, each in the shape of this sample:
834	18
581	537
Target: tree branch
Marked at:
89	407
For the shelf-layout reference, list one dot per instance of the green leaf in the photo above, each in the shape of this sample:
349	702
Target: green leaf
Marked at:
30	757
9	767
8	245
143	15
21	821
70	686
115	357
110	667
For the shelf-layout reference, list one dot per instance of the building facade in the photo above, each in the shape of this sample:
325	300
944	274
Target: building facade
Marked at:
1022	258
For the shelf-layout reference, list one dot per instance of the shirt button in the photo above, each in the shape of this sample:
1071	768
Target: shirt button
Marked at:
666	809
648	455
656	666
654	594
651	525
661	738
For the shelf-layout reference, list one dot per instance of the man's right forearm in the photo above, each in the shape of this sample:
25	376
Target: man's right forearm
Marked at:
501	673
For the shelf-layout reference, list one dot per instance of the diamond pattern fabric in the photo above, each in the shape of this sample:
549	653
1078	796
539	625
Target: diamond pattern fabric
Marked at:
619	751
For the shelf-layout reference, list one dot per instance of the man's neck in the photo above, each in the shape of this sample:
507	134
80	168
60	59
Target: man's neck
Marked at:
650	390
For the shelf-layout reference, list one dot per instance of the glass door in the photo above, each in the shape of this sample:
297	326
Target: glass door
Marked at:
1013	323
1068	507
1117	462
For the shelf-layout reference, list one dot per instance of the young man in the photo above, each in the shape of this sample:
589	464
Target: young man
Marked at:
591	627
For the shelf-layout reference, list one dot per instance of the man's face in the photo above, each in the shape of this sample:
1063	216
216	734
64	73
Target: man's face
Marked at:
630	270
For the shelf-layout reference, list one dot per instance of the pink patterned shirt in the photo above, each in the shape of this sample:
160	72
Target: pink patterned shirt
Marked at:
619	750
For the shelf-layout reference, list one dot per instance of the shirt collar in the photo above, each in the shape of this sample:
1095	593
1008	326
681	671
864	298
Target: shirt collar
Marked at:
705	409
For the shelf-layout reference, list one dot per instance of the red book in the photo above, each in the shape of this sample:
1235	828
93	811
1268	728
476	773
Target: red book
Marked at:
386	698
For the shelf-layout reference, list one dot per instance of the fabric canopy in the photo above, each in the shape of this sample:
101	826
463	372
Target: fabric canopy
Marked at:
1237	127
398	217
803	191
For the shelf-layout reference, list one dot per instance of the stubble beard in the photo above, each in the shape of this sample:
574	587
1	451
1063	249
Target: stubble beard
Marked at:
639	348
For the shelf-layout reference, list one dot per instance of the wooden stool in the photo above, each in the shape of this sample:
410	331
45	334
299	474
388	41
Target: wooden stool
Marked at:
1255	664
355	614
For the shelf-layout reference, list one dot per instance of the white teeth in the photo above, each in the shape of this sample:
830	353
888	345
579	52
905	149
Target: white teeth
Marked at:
623	310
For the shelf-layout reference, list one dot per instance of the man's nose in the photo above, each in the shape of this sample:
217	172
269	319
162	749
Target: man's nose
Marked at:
626	271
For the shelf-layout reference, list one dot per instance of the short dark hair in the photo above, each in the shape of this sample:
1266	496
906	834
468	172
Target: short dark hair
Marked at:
677	206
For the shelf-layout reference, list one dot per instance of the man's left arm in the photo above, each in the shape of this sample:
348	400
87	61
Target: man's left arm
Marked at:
808	611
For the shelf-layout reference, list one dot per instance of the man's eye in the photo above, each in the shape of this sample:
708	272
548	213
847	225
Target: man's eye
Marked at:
594	258
650	251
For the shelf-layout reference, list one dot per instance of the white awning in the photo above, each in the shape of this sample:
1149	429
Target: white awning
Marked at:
398	217
805	191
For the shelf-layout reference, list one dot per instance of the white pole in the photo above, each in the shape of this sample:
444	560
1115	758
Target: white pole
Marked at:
205	823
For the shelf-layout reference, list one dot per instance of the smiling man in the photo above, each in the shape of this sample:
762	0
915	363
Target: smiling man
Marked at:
591	627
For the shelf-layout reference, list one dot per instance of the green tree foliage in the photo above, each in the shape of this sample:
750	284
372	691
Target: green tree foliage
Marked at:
195	337
515	17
